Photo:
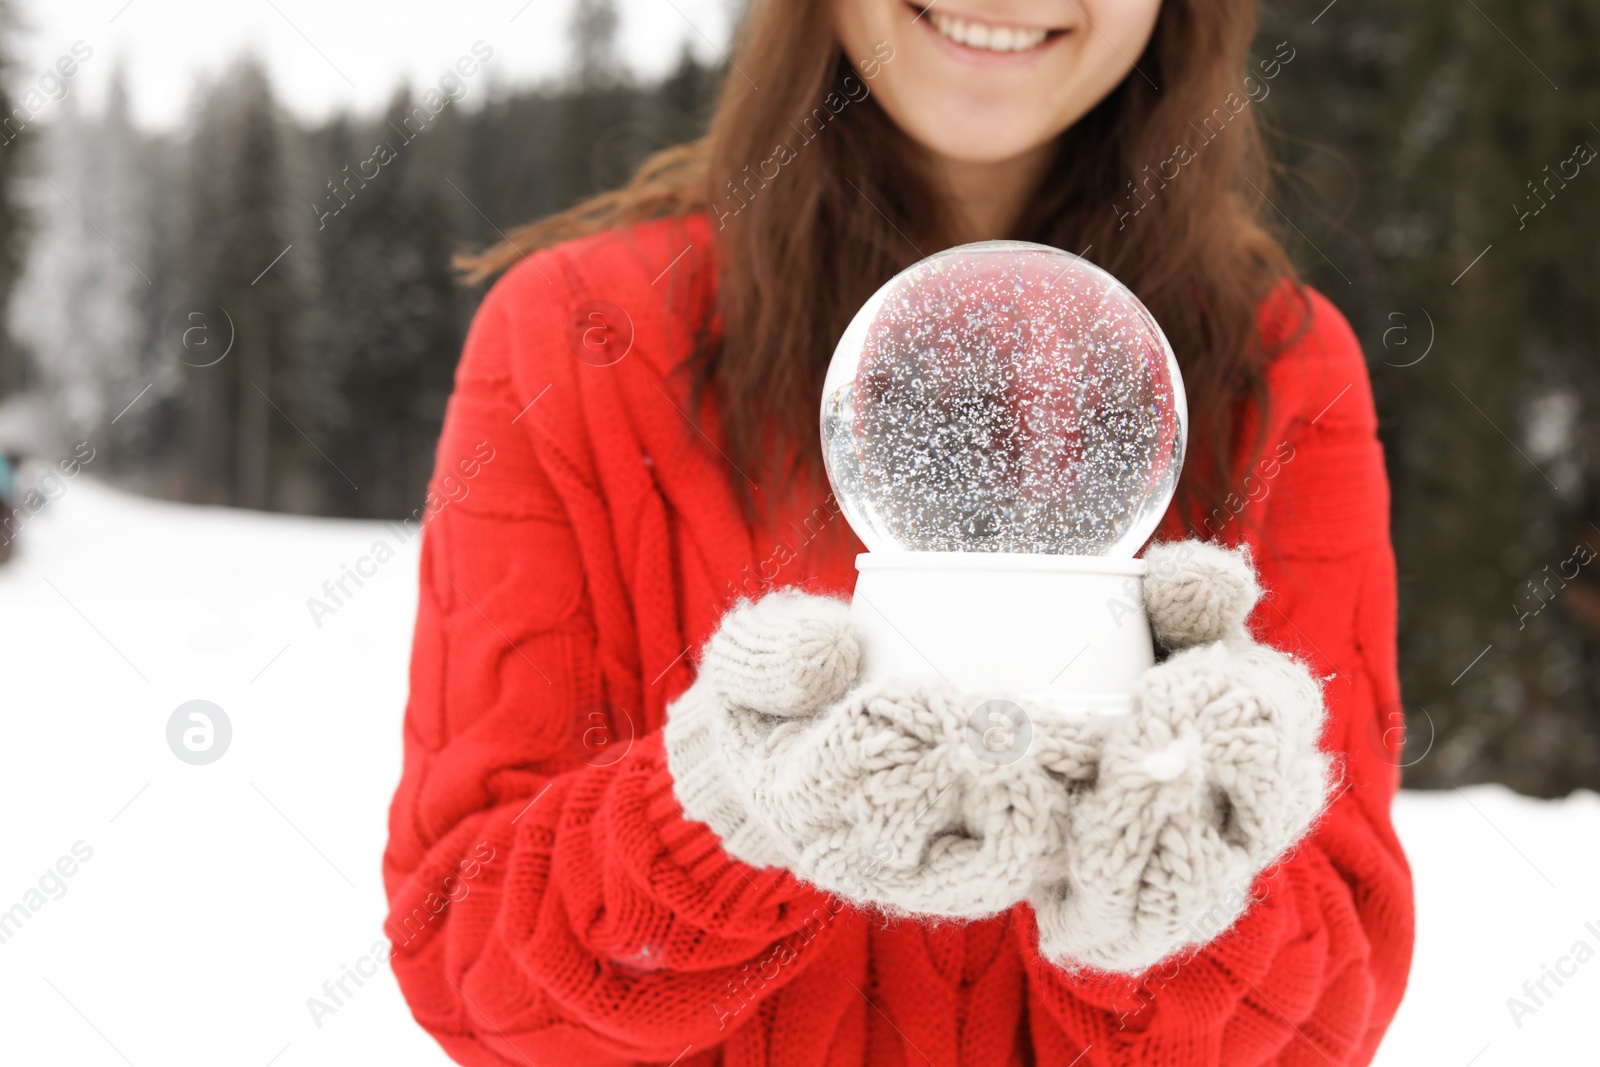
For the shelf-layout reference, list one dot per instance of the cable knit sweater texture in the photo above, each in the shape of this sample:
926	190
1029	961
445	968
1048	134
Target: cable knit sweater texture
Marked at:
551	903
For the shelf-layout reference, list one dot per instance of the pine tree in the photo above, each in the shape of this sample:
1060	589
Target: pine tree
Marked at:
284	349
239	439
598	105
683	101
592	31
13	229
507	167
78	305
1439	118
385	334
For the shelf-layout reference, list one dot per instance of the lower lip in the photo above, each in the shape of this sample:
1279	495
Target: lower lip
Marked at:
983	57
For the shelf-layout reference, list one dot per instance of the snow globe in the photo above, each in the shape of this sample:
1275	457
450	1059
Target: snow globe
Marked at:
1003	426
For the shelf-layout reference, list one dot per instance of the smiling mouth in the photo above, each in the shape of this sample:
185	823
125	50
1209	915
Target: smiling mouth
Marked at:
985	36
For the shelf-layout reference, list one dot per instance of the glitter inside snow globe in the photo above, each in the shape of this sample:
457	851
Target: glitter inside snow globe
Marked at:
1003	425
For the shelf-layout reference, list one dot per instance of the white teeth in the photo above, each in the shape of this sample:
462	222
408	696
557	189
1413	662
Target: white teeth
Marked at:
984	36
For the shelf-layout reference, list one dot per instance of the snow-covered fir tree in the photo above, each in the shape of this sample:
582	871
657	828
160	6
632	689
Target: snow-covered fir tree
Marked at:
80	304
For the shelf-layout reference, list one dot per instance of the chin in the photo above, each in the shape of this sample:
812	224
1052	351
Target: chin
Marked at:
978	140
990	125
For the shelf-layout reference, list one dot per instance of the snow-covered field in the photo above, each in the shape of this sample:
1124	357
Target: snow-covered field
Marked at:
174	913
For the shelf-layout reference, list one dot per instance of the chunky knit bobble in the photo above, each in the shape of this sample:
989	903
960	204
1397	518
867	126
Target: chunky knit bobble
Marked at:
787	654
1214	775
874	793
1196	593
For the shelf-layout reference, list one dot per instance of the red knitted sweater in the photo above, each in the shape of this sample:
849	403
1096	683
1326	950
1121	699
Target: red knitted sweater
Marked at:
552	905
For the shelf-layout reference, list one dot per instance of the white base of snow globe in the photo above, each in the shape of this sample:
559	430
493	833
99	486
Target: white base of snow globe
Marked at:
1061	634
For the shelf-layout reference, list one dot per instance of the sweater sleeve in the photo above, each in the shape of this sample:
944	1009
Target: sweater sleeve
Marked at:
1314	971
549	903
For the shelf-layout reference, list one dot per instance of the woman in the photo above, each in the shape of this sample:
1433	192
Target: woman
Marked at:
631	829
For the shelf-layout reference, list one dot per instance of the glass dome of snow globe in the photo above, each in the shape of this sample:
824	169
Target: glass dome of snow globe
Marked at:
1004	397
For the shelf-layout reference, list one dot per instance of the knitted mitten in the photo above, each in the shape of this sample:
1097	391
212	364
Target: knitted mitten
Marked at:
1214	776
872	793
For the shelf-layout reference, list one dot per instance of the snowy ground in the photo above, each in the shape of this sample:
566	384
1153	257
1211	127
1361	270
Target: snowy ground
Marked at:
216	899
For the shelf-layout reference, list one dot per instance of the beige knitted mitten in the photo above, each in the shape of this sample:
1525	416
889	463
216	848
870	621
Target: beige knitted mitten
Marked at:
1132	837
872	793
1215	775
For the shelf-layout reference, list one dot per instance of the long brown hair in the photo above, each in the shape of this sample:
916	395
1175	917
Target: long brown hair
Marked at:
1161	184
